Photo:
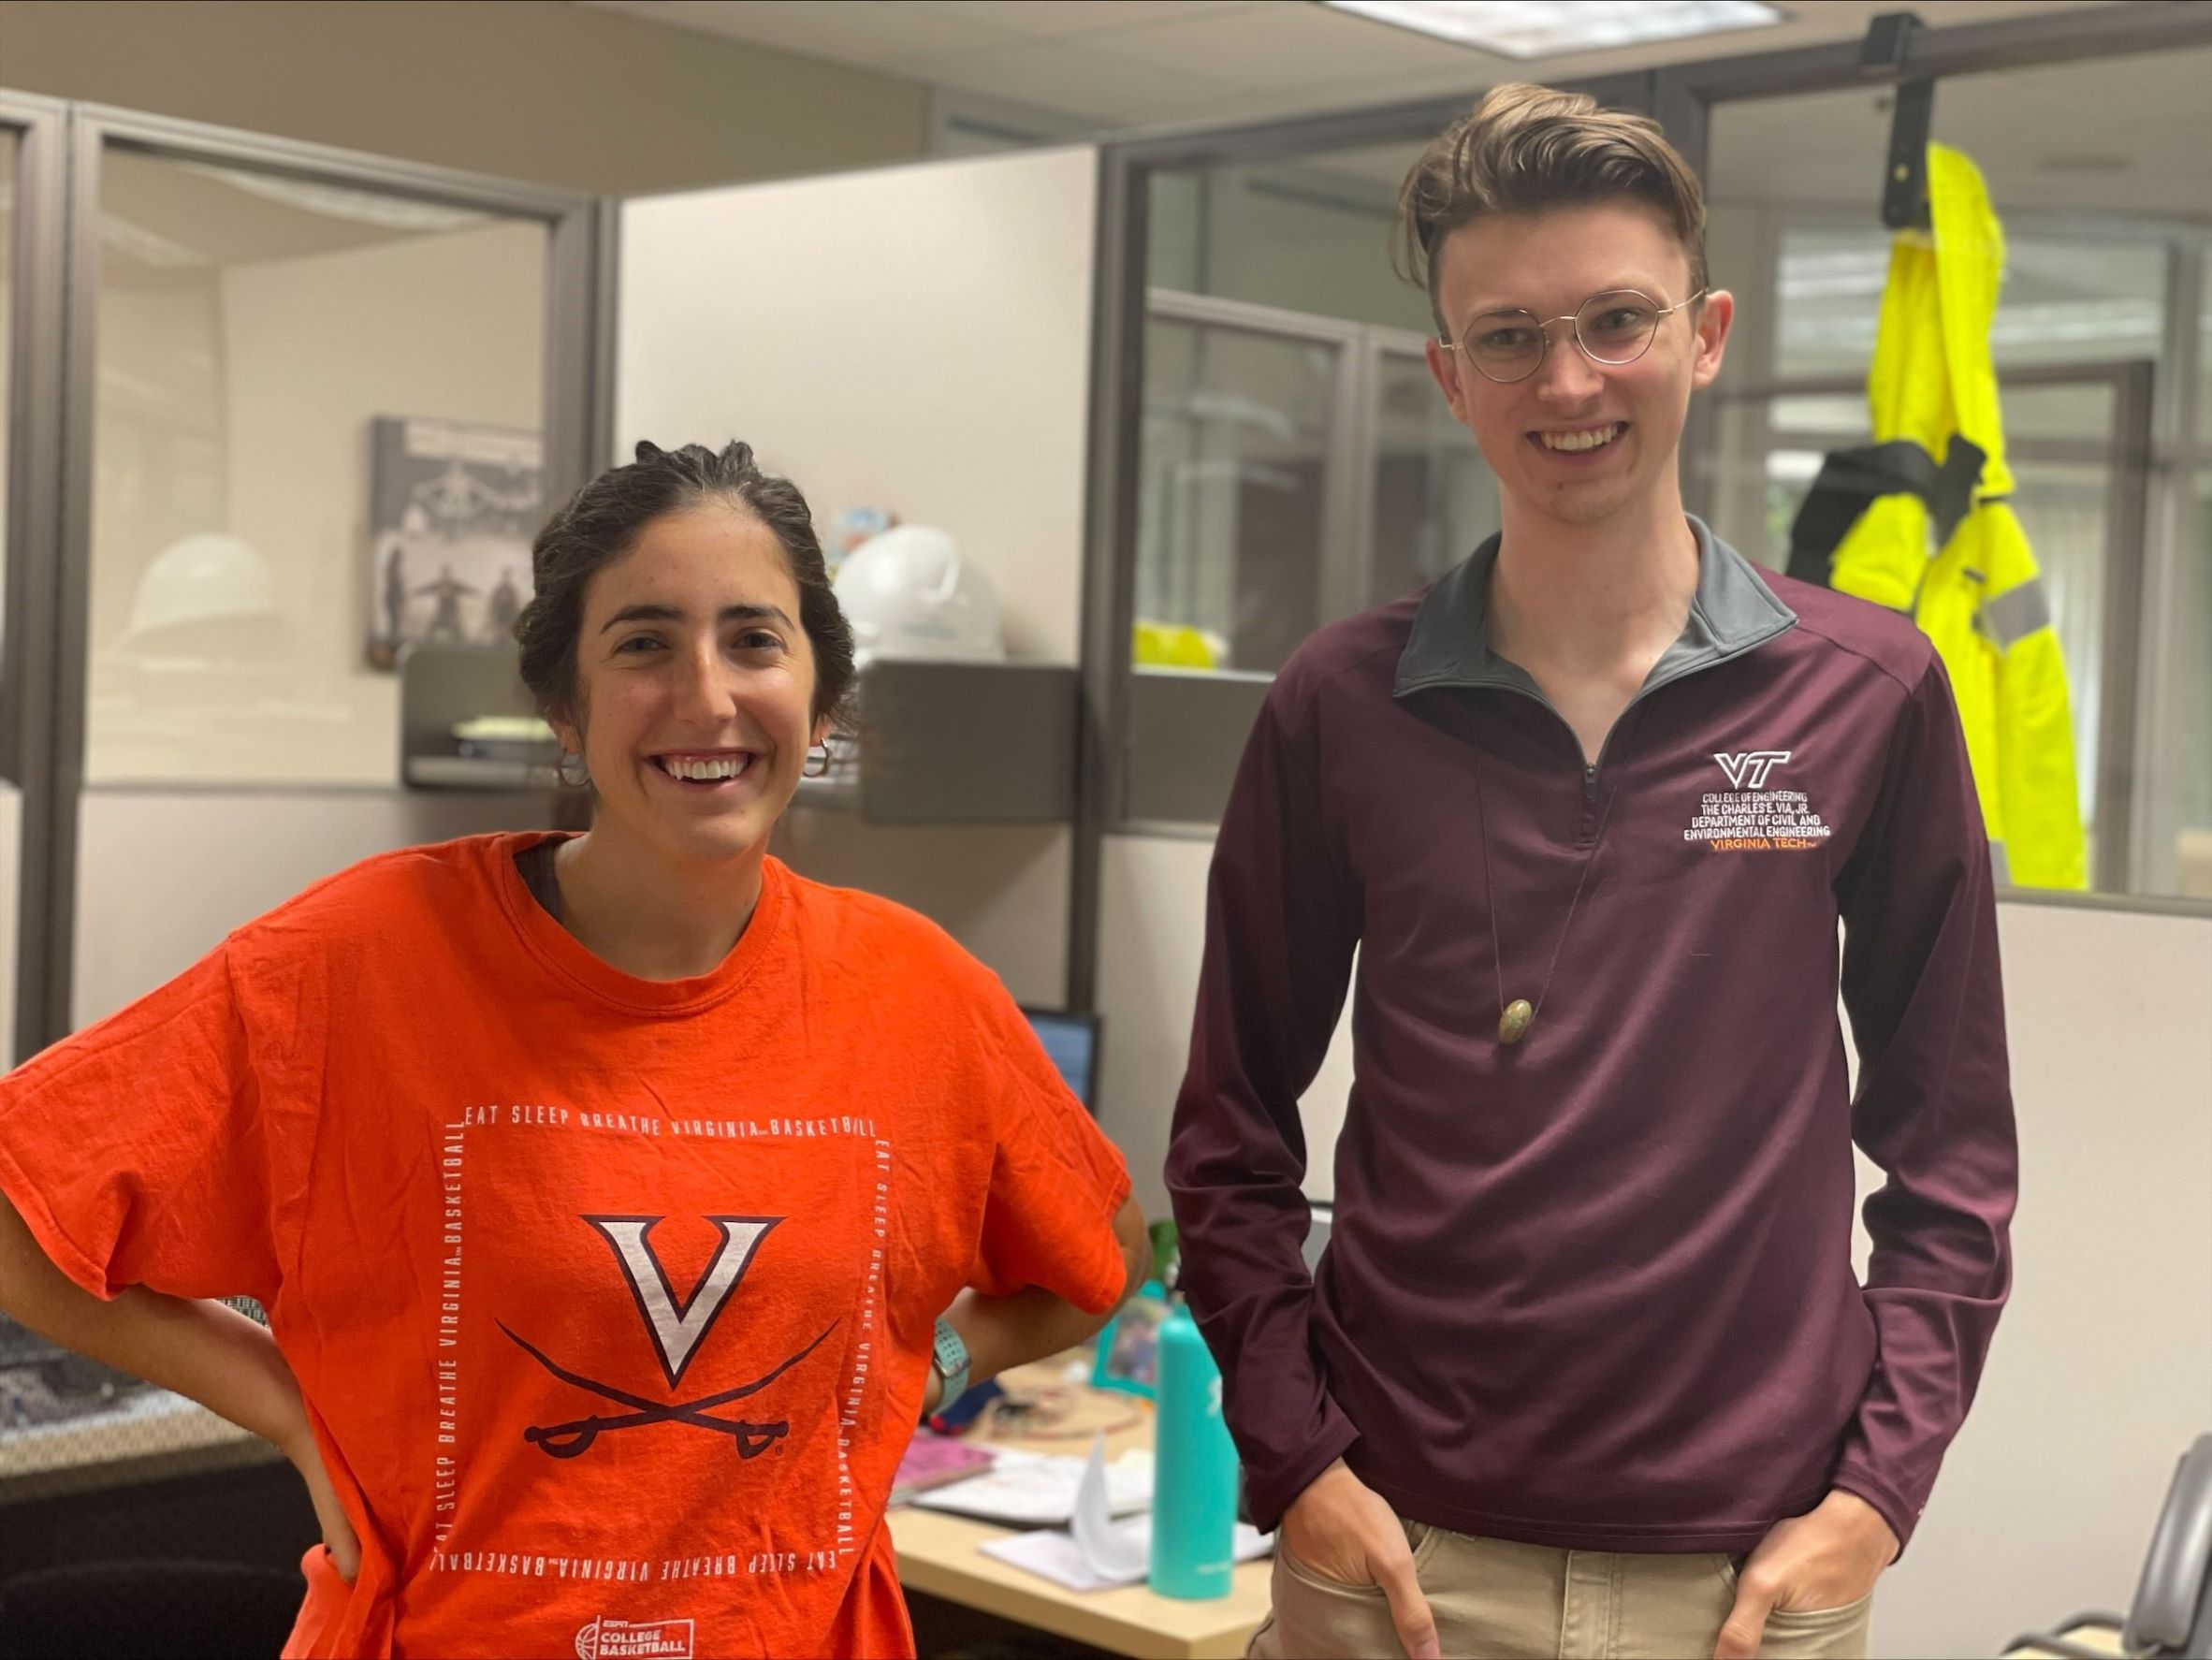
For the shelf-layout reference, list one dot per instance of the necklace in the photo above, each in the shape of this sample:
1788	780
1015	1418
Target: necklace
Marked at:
1515	1018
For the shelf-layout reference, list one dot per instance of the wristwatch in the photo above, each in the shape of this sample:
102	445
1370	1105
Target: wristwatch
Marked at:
950	1358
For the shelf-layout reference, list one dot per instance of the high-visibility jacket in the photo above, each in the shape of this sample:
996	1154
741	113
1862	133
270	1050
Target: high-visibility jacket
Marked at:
1937	538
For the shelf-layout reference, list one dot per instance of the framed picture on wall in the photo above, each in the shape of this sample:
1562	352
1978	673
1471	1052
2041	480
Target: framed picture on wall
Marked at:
452	508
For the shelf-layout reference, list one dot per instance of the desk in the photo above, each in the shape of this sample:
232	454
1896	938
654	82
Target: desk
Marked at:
158	1435
937	1555
150	1436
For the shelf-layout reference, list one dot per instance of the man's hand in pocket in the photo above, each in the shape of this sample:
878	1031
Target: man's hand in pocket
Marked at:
1340	1529
1827	1558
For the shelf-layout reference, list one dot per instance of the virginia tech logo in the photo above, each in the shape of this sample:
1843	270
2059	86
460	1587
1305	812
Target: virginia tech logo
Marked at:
1750	771
676	1328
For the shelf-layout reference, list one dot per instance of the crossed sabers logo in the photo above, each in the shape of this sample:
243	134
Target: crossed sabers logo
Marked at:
678	1328
1748	772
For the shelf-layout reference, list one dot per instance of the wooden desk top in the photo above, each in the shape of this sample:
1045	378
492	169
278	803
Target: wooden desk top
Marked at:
938	1555
149	1437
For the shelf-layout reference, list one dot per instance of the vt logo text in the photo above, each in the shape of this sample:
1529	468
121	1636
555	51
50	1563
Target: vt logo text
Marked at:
1750	771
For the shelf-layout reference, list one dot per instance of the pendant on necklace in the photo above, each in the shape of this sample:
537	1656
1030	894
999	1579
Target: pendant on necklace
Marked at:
1514	1023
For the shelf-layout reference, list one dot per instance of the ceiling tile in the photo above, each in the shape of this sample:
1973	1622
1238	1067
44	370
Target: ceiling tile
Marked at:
1289	46
1058	19
871	34
1054	76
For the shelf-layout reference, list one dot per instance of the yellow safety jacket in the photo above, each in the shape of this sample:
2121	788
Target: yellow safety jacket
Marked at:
1918	521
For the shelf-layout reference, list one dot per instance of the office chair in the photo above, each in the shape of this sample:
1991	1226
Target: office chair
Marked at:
2171	1615
125	1611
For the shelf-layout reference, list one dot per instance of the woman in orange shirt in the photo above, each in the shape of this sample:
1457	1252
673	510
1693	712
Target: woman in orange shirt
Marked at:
605	1192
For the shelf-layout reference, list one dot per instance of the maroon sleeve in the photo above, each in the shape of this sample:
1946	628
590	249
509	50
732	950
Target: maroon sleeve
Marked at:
1934	1107
1282	919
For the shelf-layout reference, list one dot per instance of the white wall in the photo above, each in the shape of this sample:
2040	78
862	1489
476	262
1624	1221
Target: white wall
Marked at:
162	876
916	339
2101	1372
912	338
1151	934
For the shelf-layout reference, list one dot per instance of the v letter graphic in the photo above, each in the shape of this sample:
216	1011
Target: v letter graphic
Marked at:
1748	772
676	1328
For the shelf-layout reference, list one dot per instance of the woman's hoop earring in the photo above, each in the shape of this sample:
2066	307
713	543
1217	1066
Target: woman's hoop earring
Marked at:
817	763
577	779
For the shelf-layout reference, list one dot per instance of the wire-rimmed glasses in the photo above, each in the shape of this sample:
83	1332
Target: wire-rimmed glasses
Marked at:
1610	329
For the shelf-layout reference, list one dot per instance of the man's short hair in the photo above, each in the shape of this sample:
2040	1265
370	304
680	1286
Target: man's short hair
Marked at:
1525	149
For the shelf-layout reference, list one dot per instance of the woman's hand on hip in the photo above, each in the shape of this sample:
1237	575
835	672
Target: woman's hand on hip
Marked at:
339	1538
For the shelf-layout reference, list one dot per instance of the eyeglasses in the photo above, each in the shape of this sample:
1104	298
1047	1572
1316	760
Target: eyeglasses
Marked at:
1611	329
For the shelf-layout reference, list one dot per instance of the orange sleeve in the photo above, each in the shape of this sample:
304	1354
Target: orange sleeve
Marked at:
1056	1180
135	1149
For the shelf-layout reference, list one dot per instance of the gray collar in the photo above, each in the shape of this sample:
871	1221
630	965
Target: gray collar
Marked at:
1732	612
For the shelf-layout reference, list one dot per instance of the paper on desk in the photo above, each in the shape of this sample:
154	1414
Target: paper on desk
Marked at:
1055	1556
1106	1550
1025	1489
1098	1551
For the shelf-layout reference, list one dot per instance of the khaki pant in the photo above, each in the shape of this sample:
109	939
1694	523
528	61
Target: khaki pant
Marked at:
1499	1601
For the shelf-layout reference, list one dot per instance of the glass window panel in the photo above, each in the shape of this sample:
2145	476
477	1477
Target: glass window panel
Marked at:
1308	235
1760	475
2090	164
254	331
2062	301
1230	518
2066	151
1825	413
1434	497
2205	351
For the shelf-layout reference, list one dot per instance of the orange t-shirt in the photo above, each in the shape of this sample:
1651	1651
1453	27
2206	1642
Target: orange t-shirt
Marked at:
611	1299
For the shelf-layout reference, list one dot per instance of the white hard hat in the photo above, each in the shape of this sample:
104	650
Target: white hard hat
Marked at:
908	594
205	579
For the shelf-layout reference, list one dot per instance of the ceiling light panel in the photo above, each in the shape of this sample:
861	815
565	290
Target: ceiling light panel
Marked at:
1550	28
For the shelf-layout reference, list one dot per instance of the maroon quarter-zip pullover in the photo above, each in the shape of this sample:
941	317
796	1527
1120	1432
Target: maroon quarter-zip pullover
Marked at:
1596	1291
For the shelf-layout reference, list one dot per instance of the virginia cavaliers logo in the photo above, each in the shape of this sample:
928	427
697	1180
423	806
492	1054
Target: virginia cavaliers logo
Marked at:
677	1326
1750	771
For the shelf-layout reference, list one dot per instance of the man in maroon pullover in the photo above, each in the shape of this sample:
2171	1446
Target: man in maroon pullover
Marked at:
1586	1368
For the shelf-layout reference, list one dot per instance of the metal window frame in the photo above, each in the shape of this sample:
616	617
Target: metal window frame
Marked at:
30	562
576	395
1344	492
1360	350
2161	713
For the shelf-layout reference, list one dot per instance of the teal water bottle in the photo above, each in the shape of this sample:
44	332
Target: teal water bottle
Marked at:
1194	1482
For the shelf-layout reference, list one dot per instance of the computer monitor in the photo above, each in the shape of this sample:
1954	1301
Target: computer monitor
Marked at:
1071	1041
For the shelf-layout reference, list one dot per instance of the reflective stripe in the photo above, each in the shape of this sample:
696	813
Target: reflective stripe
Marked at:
2012	616
2000	869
